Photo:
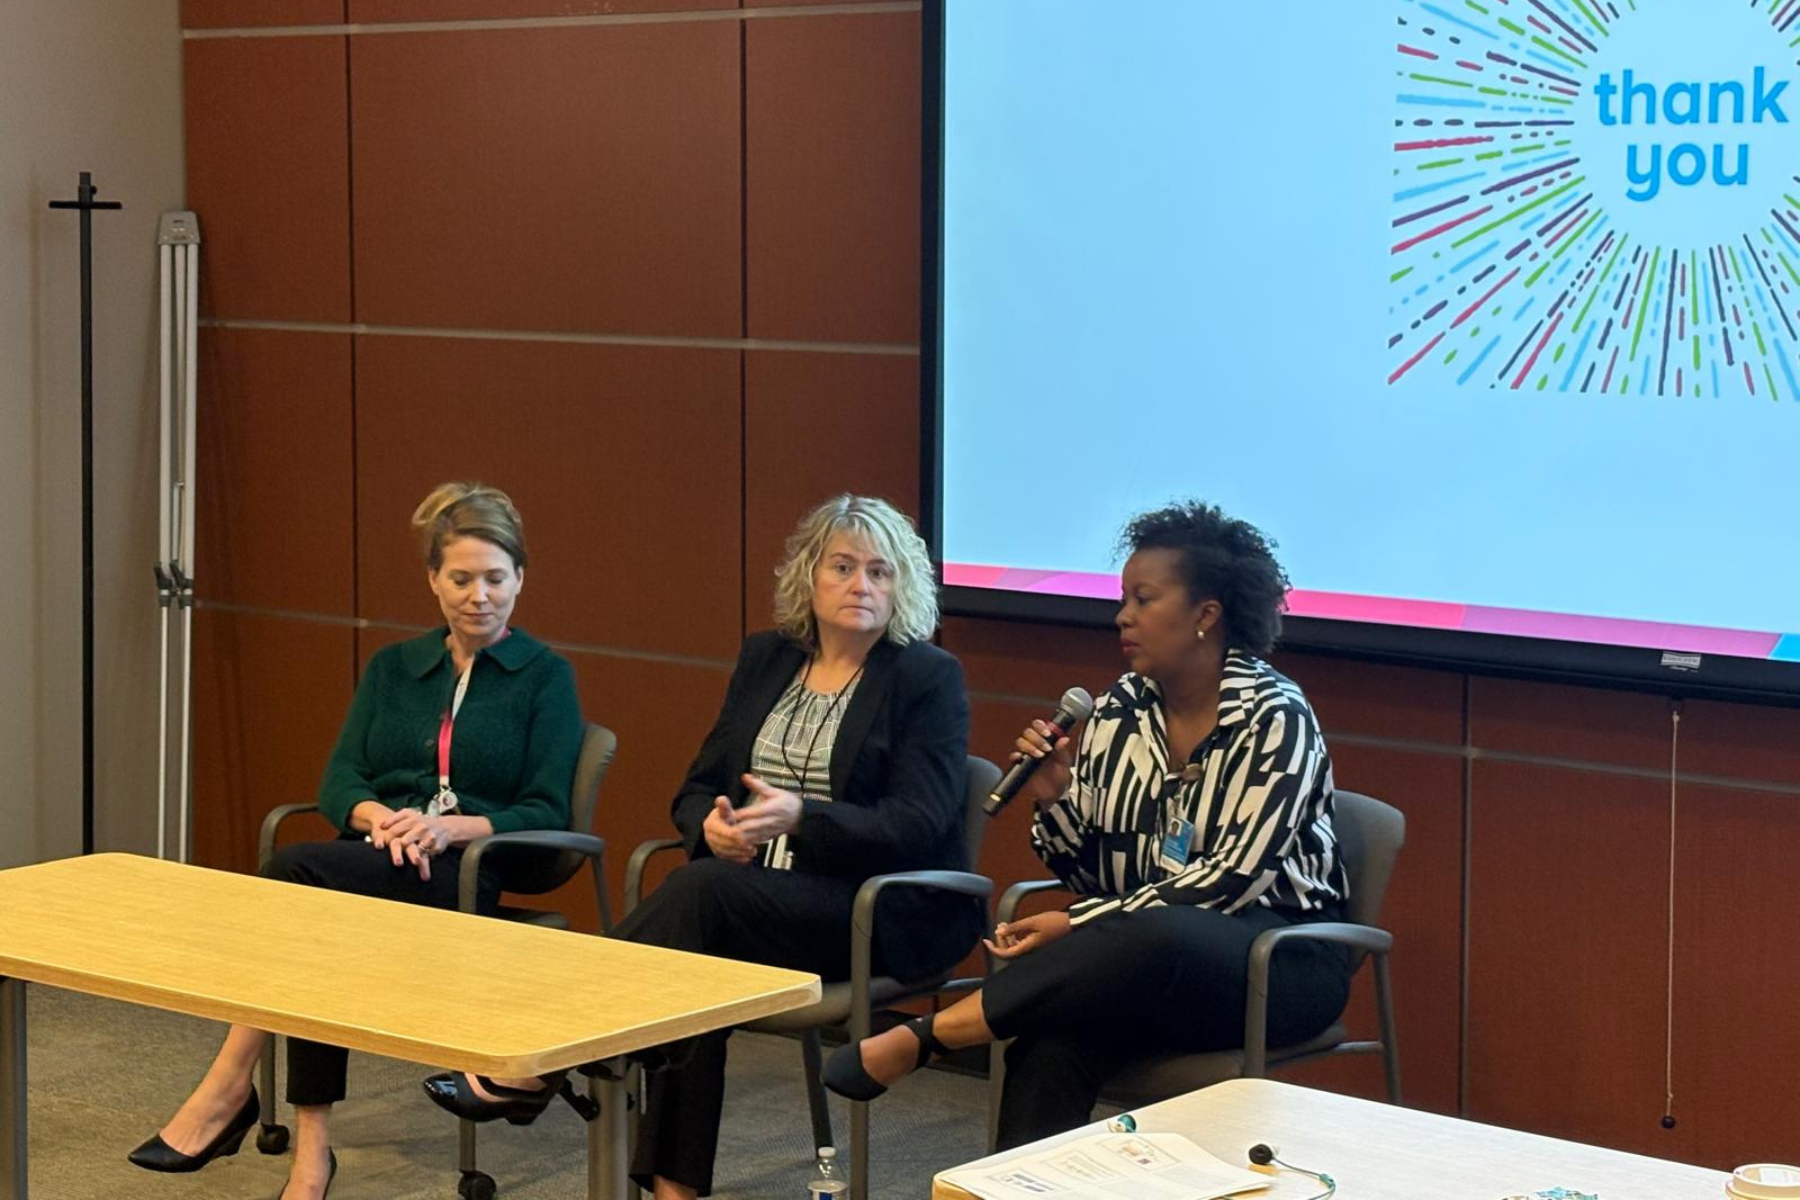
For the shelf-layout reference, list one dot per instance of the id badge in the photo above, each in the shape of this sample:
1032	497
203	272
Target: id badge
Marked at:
1177	840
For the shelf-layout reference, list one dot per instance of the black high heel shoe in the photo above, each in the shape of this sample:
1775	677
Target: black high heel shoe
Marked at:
844	1072
158	1155
451	1092
330	1178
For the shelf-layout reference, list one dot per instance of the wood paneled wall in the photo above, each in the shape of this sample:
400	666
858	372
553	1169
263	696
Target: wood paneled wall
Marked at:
658	278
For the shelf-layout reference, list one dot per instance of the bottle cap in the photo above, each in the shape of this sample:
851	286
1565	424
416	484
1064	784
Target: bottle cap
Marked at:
1764	1181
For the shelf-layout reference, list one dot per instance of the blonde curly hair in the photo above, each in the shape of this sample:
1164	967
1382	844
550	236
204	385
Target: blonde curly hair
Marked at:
884	530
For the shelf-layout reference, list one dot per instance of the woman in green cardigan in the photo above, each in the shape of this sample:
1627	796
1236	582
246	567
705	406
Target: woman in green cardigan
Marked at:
471	729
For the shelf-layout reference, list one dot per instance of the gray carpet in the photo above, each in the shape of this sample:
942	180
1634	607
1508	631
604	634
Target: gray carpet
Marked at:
104	1076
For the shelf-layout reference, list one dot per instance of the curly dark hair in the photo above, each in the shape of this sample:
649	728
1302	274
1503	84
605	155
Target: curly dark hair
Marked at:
1223	559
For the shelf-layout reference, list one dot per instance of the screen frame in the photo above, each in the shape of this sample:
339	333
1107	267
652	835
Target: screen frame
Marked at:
1631	668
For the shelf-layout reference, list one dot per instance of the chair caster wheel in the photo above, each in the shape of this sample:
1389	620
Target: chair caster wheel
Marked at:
272	1139
476	1185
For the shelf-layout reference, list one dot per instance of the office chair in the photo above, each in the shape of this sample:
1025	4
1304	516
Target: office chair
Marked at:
1370	835
851	1004
554	858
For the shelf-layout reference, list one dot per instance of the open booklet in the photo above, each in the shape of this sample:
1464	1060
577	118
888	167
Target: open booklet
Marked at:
1142	1166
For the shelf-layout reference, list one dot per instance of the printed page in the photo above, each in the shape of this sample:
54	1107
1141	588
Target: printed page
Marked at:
1141	1166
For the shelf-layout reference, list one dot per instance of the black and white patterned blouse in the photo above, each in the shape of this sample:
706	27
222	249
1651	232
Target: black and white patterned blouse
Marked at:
793	750
1257	791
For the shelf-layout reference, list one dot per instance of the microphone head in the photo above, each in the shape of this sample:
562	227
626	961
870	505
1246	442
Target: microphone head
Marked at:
1077	703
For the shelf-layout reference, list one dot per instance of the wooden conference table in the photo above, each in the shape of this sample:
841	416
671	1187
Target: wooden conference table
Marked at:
1386	1153
442	988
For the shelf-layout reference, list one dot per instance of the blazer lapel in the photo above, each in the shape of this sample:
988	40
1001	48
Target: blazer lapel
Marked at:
871	694
771	681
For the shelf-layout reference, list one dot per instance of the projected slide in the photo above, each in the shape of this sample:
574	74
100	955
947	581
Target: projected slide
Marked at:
1488	312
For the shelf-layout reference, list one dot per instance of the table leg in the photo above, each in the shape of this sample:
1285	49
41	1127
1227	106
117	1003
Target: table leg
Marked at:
609	1156
13	1167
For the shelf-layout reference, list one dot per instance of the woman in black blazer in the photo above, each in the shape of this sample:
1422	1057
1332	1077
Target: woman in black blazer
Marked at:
838	755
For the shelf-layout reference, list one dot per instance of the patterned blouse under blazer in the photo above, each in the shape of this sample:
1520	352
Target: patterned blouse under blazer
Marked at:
1257	790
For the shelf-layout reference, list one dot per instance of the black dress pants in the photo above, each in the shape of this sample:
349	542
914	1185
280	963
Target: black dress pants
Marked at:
1130	984
316	1071
731	910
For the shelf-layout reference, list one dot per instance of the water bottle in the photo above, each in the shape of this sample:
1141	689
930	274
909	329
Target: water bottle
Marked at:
828	1183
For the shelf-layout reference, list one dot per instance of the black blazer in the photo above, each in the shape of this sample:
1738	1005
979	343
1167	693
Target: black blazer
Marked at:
897	788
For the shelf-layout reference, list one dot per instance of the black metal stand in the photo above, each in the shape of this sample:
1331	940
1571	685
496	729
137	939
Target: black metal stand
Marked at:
85	203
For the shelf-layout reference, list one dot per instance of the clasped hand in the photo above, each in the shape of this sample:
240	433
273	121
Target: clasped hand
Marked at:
409	836
736	834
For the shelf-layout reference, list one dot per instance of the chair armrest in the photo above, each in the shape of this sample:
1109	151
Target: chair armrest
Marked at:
963	883
1364	937
265	842
587	845
1010	898
1256	997
862	926
640	858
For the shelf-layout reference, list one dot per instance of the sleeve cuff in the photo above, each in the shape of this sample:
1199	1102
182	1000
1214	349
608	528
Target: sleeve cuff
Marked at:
1083	911
504	821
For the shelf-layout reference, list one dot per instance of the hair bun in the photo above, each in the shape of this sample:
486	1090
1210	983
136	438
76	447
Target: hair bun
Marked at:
457	509
440	500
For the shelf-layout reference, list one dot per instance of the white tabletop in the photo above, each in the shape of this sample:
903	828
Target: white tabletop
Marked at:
1381	1152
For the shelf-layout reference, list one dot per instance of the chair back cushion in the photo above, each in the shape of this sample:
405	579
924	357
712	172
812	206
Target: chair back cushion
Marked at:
534	872
979	779
1370	835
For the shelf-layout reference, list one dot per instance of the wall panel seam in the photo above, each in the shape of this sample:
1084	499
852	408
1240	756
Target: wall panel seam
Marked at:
743	165
359	329
1471	755
1477	754
362	28
356	597
1466	859
590	649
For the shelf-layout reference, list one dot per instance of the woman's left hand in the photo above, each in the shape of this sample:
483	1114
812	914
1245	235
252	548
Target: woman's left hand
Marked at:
412	837
771	813
1013	938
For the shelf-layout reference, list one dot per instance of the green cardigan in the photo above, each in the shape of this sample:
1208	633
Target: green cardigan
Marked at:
512	756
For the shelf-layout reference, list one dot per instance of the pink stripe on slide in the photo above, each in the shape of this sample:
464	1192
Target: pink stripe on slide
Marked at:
1617	631
1383	610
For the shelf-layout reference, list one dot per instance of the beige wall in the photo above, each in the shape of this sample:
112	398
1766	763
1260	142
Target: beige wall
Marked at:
84	85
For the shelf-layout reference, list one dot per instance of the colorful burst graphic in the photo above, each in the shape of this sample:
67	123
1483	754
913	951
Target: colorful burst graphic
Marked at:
1516	264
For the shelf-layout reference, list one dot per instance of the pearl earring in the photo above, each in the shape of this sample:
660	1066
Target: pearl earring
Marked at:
1200	634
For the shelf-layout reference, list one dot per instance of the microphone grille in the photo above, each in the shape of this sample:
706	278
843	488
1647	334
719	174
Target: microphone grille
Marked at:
1077	703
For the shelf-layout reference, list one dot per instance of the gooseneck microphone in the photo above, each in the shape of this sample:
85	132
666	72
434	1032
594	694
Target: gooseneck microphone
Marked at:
1076	707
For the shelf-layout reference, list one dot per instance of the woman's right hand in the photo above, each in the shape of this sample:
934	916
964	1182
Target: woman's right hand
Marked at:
723	836
1026	934
366	817
1051	779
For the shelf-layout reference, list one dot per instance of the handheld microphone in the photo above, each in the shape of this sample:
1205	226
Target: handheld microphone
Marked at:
1076	706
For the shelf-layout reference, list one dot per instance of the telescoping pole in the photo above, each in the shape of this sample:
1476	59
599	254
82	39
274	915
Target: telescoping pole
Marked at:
178	238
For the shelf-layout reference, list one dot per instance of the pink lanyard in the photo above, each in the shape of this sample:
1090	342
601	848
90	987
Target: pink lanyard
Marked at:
445	800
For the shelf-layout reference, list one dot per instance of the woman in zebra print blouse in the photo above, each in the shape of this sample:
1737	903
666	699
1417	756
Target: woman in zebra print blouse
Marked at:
1193	812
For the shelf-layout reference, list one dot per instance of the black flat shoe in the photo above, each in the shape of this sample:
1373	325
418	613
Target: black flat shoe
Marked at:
330	1178
158	1155
451	1092
844	1072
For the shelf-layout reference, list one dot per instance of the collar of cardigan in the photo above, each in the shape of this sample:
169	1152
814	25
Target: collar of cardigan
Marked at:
424	653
